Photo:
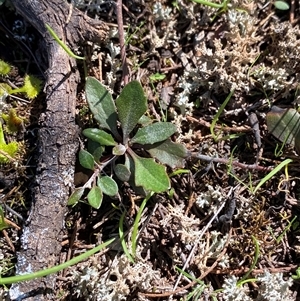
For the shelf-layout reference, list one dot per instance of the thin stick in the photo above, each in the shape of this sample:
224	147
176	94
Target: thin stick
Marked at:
234	163
8	240
122	41
242	270
292	12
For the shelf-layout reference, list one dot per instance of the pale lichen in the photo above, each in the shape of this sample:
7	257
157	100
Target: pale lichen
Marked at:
210	199
273	287
94	284
234	292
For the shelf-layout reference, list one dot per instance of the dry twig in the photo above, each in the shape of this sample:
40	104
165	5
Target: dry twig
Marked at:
122	41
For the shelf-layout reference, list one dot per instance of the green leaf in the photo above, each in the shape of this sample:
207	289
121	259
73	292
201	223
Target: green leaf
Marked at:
155	132
86	159
75	196
108	185
145	120
95	197
95	149
149	174
157	77
284	124
122	172
281	5
129	163
131	105
101	105
99	136
168	152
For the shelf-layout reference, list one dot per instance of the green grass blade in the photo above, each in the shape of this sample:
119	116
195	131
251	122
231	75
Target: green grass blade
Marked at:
256	254
287	228
62	44
211	4
134	236
122	238
272	173
57	268
216	118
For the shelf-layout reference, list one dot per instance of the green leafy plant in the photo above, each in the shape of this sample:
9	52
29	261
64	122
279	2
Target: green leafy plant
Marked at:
7	150
284	124
13	122
31	88
157	77
128	141
4	68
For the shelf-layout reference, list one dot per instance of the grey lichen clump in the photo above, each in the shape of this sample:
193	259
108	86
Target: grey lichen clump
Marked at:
236	59
271	287
95	284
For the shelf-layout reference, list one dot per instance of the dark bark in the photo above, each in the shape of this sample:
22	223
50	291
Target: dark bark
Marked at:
58	143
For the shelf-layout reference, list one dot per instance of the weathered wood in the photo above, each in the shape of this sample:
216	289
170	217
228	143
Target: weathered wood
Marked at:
58	142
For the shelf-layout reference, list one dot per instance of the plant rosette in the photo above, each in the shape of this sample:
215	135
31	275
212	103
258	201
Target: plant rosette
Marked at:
132	146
